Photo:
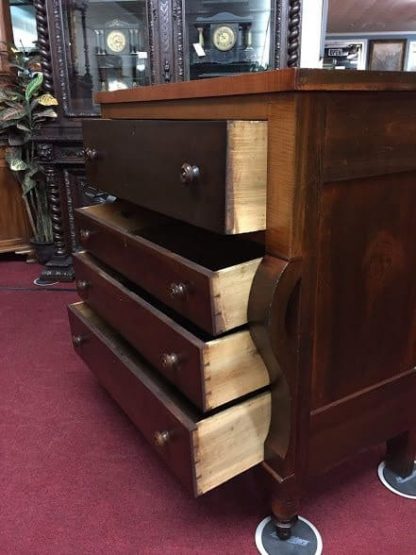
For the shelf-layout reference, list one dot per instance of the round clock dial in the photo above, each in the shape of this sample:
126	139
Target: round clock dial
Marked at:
224	38
116	41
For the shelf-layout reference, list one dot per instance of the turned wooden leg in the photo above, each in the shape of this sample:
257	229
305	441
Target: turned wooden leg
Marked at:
400	455
285	507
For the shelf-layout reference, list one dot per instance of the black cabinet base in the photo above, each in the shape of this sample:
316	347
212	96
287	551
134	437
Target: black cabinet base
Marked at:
59	268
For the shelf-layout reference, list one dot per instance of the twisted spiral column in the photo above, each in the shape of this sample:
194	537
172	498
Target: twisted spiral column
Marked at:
294	33
43	43
55	210
52	183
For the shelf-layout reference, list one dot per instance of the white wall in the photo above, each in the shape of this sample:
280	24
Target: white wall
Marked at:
313	32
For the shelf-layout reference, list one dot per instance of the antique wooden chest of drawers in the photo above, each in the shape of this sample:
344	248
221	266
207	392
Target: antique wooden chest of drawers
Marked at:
250	298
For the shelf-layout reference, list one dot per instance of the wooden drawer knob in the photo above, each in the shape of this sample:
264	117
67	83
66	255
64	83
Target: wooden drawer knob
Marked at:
178	290
189	174
161	438
85	234
170	360
82	285
90	154
77	340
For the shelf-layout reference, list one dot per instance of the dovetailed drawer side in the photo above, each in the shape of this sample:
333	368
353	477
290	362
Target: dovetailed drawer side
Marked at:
204	277
202	452
209	371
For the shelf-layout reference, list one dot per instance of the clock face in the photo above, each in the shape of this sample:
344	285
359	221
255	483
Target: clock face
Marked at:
224	38
116	41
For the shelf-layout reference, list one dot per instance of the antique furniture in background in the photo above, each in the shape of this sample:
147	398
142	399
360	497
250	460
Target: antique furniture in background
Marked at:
93	46
294	348
14	225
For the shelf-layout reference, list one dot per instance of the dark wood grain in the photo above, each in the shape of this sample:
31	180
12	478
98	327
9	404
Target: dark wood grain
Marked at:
366	297
156	257
147	403
141	161
146	328
281	80
363	419
14	224
401	449
272	317
369	135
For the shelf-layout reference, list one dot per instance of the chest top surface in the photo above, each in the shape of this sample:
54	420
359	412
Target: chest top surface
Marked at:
270	82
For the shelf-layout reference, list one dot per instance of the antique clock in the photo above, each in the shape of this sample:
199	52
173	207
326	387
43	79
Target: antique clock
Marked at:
224	37
120	54
116	41
226	42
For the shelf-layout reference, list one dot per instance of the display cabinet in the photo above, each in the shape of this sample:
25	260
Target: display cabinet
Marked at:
228	38
90	46
105	47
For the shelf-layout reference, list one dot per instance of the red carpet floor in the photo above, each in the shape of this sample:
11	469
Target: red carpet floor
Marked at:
77	478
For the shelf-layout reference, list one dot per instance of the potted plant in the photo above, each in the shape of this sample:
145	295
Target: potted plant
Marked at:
24	107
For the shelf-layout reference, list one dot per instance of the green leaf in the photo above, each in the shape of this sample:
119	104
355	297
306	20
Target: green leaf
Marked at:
47	100
34	86
13	152
48	113
17	165
28	183
8	94
4	125
13	157
22	126
12	103
16	139
12	113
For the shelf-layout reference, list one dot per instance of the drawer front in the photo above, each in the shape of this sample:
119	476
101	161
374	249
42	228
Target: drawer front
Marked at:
167	346
211	174
181	286
216	301
146	403
210	372
202	452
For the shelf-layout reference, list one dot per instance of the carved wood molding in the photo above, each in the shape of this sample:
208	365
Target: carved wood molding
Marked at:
44	43
178	39
294	26
54	199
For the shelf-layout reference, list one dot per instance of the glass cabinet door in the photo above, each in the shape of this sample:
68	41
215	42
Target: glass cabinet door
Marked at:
106	45
225	38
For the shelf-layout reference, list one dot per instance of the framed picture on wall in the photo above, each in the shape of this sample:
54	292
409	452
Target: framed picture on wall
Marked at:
386	55
345	54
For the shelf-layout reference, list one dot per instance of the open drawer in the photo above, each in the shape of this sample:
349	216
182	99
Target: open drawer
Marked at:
204	277
209	371
202	452
211	174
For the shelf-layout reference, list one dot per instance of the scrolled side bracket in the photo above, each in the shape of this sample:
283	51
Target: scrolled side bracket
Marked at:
273	319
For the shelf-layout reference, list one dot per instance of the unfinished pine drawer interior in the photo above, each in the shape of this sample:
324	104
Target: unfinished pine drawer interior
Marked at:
204	277
209	371
211	174
202	452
